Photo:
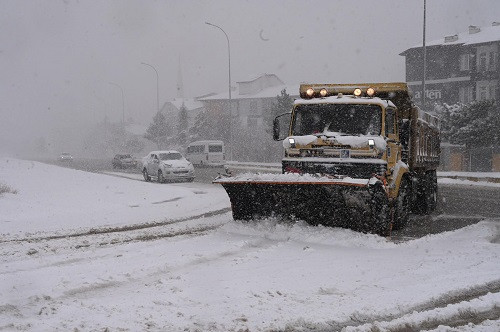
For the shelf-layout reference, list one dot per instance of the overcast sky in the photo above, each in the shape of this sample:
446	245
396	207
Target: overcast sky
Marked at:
57	58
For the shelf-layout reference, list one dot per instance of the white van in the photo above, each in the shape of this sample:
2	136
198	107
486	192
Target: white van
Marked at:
206	153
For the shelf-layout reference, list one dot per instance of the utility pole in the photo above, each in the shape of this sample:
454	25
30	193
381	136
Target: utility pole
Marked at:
230	103
424	59
157	85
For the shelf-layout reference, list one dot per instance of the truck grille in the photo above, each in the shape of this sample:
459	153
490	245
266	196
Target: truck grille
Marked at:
354	170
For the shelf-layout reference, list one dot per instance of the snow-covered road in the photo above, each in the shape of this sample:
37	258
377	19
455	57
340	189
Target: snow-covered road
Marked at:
87	252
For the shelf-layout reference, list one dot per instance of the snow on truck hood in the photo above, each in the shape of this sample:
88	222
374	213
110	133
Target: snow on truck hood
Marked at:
359	141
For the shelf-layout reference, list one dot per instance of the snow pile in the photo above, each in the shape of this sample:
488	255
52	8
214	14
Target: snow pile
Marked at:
291	178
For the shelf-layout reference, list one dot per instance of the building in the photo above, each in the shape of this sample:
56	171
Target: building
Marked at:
250	99
171	110
459	68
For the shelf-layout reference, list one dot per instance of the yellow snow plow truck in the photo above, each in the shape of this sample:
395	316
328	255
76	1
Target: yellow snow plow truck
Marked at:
360	156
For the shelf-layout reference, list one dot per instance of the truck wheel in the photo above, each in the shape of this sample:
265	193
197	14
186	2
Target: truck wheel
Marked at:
147	178
432	194
380	214
426	198
402	205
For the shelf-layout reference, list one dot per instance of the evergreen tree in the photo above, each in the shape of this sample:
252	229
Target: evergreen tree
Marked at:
474	125
283	104
157	131
182	125
477	124
206	126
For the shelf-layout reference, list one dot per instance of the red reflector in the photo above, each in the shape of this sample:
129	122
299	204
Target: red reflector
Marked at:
289	169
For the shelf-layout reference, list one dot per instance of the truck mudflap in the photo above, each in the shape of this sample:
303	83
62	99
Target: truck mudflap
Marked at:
358	204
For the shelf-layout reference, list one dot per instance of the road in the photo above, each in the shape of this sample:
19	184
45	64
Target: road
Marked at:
205	272
458	206
203	174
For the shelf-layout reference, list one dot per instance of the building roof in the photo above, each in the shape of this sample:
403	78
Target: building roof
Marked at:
256	77
270	92
189	103
475	35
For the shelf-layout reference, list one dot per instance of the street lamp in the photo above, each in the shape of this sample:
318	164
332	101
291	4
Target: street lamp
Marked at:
157	85
230	104
123	102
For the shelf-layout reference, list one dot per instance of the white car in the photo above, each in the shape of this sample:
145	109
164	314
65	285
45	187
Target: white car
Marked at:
167	165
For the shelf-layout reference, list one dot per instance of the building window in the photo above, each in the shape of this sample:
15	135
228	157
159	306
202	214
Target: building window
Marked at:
482	62
483	93
465	94
492	63
487	90
492	92
254	110
252	122
464	62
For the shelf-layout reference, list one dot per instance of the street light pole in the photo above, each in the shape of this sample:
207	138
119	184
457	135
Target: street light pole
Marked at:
424	61
123	102
229	84
157	85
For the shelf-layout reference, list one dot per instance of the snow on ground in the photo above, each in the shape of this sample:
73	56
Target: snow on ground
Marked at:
53	198
214	274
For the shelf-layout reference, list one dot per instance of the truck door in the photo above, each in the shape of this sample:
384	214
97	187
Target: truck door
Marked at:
391	132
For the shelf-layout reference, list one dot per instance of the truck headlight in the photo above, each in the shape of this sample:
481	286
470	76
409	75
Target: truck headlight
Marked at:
371	143
291	141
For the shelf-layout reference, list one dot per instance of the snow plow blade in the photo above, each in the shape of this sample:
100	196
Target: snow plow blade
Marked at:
359	204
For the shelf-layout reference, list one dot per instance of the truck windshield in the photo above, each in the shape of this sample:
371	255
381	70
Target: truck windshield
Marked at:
346	119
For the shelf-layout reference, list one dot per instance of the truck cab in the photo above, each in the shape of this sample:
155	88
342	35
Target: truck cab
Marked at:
362	131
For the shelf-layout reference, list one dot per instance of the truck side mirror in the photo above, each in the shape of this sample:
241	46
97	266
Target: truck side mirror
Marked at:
276	129
280	126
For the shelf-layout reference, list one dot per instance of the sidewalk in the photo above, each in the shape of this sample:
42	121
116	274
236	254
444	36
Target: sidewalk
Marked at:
472	176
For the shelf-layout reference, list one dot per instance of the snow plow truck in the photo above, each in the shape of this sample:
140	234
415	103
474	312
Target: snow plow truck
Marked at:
360	156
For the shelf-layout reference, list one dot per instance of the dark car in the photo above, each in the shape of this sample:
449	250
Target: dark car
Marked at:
65	156
124	161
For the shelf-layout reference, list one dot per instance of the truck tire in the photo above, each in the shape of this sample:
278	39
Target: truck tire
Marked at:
380	212
426	197
432	194
402	205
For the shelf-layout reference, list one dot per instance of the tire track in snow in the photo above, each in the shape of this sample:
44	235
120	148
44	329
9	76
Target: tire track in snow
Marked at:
103	238
118	229
362	322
